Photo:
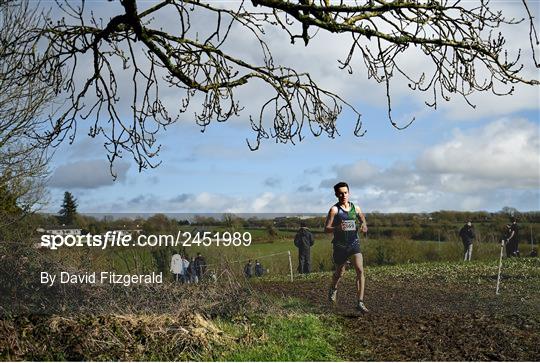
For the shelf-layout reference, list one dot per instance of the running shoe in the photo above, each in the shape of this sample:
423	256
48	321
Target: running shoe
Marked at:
332	295
361	307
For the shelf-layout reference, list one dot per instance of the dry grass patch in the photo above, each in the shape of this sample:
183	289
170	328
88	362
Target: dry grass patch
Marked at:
183	336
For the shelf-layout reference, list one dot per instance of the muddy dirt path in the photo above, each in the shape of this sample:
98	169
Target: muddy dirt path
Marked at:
425	320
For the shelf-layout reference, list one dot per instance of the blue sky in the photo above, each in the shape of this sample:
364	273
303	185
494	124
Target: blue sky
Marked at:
455	157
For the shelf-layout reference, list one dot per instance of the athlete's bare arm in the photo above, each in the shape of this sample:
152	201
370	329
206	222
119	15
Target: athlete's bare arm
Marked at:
361	216
329	228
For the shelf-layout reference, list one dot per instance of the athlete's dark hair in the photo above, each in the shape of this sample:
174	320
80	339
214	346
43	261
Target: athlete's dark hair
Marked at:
340	185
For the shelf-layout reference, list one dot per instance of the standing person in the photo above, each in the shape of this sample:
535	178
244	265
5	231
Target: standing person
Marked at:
467	237
303	241
259	270
342	221
176	266
513	240
200	266
192	272
248	270
185	265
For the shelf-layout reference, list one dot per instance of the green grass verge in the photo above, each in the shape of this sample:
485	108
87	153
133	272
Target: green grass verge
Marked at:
290	337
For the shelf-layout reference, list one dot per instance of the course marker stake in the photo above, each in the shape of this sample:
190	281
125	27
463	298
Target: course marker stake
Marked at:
500	266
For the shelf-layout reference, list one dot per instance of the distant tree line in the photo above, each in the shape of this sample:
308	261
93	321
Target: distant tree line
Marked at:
436	226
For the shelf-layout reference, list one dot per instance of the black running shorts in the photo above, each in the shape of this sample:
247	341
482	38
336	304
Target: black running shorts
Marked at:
342	253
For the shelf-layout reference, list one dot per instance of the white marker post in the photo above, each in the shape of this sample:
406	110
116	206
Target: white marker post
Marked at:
500	265
290	265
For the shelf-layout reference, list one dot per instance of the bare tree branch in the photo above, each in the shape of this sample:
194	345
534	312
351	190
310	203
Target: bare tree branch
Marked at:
460	39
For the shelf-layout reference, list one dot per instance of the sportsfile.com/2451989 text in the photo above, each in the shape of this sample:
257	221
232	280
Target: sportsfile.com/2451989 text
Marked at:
184	239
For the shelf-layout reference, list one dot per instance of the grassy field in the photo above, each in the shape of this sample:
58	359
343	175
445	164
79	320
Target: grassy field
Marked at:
425	302
419	311
271	251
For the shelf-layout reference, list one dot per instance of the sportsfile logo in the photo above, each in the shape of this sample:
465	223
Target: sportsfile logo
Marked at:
115	239
111	239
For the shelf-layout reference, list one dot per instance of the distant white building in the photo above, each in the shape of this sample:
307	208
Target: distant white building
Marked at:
311	216
61	231
58	231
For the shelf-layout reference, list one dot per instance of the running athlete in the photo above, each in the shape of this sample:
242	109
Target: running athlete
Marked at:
342	221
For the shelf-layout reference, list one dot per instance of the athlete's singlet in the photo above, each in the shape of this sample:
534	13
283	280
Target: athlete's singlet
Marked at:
349	235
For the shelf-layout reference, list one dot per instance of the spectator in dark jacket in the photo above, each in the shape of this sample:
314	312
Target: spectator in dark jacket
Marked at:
512	249
467	237
200	266
259	270
303	241
192	277
248	270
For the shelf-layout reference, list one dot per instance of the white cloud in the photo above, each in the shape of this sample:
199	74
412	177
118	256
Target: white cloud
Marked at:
262	202
504	153
182	198
362	174
87	174
359	172
206	202
474	169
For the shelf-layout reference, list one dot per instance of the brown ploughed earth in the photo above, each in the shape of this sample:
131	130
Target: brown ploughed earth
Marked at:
428	317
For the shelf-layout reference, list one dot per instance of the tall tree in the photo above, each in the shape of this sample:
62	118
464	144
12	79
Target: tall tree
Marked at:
8	202
68	212
25	92
462	42
23	96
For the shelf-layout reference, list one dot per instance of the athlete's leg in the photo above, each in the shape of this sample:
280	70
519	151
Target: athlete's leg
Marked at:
338	274
358	263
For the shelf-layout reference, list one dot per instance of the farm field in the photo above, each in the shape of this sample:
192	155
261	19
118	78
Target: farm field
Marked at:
271	251
432	311
444	311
